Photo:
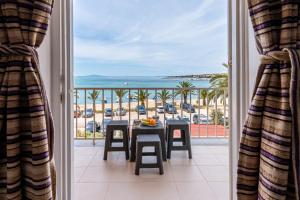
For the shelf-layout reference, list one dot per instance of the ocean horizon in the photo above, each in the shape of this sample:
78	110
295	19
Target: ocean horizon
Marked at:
99	81
92	81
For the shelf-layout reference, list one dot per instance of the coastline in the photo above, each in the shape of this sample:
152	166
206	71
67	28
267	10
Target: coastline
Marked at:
102	82
193	77
151	104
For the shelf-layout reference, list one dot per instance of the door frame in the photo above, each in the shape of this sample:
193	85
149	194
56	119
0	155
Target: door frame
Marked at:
240	86
62	95
62	84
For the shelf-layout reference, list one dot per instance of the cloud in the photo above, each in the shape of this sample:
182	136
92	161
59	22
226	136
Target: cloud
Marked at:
167	33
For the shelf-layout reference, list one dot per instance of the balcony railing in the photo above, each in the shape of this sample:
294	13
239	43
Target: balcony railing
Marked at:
205	109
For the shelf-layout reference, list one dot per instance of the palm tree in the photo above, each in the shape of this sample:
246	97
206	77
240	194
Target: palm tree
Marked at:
142	95
94	96
204	95
120	94
164	95
185	89
219	83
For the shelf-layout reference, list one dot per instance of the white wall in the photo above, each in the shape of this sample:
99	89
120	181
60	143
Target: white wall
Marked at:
44	52
254	59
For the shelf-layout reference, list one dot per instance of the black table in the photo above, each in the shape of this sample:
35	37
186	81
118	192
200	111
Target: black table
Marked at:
138	128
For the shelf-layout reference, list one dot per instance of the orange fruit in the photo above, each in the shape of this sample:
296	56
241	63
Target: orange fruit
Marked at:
152	122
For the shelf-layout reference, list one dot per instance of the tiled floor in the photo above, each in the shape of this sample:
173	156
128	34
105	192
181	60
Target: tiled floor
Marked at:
204	177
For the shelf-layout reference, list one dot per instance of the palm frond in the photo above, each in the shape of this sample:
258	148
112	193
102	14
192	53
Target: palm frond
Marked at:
94	95
164	95
121	93
142	95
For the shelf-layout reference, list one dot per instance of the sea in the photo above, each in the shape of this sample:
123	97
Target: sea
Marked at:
95	81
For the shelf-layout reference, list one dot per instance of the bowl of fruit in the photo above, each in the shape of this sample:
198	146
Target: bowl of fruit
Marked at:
149	122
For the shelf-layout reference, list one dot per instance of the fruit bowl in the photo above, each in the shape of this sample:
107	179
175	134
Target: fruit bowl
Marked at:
149	122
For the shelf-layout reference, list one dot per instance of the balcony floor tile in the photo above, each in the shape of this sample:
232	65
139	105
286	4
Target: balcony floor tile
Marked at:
203	177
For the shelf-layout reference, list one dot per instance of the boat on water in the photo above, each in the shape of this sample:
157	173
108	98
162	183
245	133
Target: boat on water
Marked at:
105	100
130	97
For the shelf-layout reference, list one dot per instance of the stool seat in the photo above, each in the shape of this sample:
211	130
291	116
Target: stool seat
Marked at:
183	126
144	140
116	125
148	138
176	122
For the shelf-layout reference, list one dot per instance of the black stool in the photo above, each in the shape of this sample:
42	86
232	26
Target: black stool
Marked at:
152	141
120	125
183	126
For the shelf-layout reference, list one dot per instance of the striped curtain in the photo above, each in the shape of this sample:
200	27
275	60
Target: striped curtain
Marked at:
268	166
26	128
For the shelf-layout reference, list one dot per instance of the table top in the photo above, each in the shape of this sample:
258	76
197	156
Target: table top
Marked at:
176	122
137	125
118	123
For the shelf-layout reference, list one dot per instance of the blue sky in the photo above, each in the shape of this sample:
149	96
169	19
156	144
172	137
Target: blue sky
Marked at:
149	37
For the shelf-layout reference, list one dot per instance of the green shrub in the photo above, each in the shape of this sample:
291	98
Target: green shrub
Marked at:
88	134
217	116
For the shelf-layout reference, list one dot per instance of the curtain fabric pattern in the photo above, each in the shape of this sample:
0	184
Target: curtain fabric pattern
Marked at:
26	128
268	166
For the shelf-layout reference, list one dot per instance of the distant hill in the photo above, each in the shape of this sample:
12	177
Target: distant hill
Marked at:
192	77
91	76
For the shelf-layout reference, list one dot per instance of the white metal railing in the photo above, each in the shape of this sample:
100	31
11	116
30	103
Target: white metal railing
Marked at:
206	109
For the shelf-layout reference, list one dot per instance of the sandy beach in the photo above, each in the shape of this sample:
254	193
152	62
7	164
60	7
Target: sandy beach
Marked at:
80	122
150	104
